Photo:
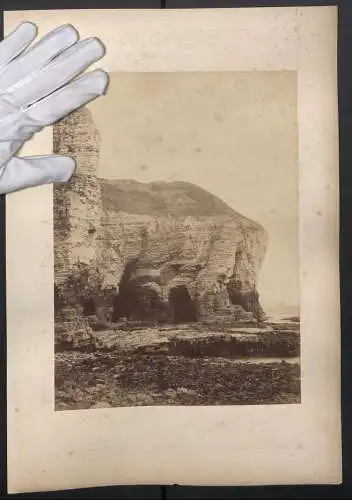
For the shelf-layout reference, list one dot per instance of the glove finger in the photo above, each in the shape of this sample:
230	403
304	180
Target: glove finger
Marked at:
16	42
67	99
51	45
48	111
59	72
7	150
21	173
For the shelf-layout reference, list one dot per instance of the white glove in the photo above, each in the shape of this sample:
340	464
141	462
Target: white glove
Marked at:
37	88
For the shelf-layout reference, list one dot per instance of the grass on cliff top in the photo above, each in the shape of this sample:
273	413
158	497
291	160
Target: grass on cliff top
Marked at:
176	199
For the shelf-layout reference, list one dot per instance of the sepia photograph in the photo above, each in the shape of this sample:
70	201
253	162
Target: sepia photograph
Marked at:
181	291
176	243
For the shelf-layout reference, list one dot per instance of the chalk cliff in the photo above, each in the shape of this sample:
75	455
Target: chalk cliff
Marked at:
163	251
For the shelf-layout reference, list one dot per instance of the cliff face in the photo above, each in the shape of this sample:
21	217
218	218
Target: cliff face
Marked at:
166	252
77	204
178	256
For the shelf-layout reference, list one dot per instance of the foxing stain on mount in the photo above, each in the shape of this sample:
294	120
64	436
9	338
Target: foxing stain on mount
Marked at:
156	269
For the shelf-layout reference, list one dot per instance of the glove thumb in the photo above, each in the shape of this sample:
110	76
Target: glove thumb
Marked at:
20	173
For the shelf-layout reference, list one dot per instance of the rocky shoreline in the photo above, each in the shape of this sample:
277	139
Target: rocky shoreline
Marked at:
182	365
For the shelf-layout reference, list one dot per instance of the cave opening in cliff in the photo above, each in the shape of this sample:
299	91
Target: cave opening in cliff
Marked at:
124	300
236	297
58	302
184	309
89	307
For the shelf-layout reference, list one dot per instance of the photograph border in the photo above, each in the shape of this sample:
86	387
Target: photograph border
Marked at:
345	177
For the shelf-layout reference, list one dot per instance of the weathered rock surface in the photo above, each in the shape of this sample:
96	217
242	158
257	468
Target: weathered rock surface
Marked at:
238	344
72	331
162	252
176	261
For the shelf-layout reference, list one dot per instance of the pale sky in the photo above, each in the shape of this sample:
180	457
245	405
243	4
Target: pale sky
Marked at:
233	133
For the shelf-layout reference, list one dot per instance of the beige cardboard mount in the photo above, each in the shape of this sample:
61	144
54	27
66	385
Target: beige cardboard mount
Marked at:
234	445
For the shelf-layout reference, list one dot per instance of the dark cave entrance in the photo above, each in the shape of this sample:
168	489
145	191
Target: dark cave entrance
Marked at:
184	309
137	301
124	301
237	298
89	308
58	302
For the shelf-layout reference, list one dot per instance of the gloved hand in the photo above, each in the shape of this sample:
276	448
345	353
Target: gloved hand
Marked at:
37	88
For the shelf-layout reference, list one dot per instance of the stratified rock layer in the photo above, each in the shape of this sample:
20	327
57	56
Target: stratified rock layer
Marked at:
159	251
